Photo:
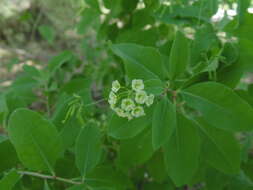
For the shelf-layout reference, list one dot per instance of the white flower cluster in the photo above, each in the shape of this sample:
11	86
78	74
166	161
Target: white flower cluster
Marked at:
132	105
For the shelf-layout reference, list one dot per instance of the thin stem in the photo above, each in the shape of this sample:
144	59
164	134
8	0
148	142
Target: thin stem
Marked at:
94	103
34	174
35	25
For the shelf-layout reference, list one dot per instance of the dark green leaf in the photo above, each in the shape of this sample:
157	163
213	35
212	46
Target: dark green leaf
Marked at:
8	155
242	9
35	139
243	33
179	56
56	62
139	146
8	181
220	148
88	149
214	178
220	106
108	178
139	36
140	61
163	122
121	128
182	151
156	167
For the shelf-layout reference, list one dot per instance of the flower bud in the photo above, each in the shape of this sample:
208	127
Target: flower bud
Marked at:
137	85
115	86
150	100
141	97
127	104
138	111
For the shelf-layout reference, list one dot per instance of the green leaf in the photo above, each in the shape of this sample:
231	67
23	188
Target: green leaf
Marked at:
220	106
156	167
80	86
93	4
88	18
66	167
88	149
182	151
106	177
220	148
70	131
152	4
139	36
179	56
31	71
231	76
241	181
8	181
216	180
47	32
121	128
35	139
129	5
114	6
140	61
56	62
163	122
204	39
244	94
242	9
140	146
243	33
8	155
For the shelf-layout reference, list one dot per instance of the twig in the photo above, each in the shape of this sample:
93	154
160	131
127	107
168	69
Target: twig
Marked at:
36	23
49	177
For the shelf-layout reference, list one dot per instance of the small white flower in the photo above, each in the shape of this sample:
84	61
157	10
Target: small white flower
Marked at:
141	97
138	111
150	100
112	95
120	112
127	104
112	98
112	102
137	85
113	106
115	86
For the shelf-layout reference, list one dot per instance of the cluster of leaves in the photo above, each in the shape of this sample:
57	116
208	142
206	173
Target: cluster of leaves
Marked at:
197	133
